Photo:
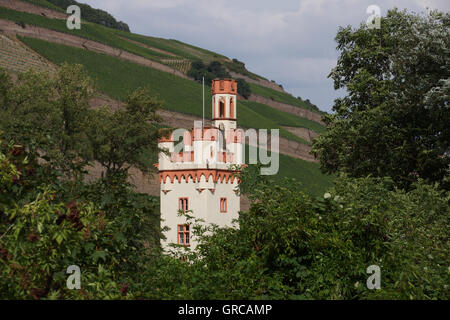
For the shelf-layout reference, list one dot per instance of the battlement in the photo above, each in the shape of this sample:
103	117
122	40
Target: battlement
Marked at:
207	147
224	86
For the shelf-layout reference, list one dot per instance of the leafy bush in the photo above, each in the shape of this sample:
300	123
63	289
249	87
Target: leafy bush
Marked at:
210	72
50	217
290	246
243	88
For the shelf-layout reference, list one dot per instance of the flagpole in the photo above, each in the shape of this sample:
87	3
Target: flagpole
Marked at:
203	118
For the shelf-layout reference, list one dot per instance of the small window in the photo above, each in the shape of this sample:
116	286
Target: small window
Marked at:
184	235
183	204
222	109
231	108
223	205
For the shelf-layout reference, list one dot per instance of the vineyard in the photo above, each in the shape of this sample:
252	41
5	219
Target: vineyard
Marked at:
182	65
18	58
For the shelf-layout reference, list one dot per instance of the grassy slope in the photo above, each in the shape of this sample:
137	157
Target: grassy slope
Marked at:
45	4
280	96
283	118
112	37
307	173
117	78
88	30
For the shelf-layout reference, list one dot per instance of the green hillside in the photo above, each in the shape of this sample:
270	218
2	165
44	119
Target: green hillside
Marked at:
117	78
45	4
283	118
88	30
281	97
161	50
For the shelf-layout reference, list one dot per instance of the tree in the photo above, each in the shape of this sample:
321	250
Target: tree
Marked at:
42	233
213	70
394	119
125	138
46	112
243	88
49	222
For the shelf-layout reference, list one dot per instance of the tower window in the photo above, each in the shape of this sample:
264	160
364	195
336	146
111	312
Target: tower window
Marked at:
232	108
184	234
222	109
183	204
223	205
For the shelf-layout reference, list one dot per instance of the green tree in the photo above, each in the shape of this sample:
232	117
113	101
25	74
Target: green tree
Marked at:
46	112
125	138
243	88
212	71
42	232
394	118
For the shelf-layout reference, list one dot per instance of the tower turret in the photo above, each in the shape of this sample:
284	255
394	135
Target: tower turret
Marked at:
224	98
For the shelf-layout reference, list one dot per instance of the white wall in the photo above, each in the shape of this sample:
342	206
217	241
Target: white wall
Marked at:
204	205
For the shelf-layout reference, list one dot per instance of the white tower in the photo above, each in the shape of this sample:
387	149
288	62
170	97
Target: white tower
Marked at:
200	178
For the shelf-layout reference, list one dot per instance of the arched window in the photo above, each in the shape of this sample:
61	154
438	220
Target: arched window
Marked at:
183	204
222	109
223	205
232	108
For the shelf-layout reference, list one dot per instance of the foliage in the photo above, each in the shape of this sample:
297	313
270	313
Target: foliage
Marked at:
394	119
49	221
210	72
41	235
243	88
122	139
47	114
290	246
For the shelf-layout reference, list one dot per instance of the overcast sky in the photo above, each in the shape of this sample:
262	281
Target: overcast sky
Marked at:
289	41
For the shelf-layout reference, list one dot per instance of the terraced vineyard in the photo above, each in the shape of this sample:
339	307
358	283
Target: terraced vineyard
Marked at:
182	65
15	57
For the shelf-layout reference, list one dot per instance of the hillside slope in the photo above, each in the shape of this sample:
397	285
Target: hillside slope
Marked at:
120	62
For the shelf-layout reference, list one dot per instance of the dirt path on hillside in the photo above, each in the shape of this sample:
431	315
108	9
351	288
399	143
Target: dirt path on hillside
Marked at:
74	41
148	47
31	8
303	133
261	82
288	108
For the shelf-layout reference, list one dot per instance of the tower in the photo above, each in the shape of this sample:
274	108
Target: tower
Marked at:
201	179
224	104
